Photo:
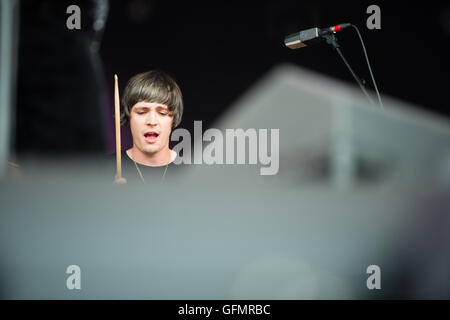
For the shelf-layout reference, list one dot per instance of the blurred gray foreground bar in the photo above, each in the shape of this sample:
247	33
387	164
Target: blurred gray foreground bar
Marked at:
357	186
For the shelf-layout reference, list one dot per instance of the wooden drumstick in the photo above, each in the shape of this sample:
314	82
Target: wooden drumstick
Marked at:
117	115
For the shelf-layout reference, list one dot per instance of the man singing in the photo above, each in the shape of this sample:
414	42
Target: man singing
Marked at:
152	105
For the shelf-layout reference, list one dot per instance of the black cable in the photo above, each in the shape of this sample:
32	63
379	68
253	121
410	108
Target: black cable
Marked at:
354	75
368	64
332	40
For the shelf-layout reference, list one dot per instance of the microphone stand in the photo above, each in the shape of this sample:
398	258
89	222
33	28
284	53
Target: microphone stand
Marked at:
332	40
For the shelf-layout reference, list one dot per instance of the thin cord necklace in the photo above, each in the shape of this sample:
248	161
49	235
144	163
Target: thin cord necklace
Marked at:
142	177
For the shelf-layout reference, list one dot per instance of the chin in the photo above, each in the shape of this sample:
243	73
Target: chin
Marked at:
150	151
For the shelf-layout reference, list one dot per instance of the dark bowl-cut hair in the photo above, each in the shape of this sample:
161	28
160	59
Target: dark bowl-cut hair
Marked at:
152	86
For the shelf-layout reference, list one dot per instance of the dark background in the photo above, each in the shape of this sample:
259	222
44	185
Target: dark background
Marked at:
217	50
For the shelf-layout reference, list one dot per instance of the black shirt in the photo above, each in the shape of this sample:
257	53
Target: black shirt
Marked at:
132	172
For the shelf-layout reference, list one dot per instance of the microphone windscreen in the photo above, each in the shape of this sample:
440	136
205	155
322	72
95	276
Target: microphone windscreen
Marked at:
293	41
302	39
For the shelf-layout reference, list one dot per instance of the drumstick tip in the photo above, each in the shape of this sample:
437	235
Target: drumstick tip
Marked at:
115	76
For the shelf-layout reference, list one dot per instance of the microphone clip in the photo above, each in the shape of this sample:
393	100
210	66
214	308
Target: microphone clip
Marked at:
331	39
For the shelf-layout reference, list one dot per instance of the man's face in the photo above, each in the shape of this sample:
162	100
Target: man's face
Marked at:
151	124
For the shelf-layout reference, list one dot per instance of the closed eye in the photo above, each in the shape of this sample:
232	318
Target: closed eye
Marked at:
140	110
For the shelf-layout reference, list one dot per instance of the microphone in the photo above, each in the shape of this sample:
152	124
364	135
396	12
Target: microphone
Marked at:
311	36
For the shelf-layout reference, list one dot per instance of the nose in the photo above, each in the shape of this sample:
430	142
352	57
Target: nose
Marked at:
151	118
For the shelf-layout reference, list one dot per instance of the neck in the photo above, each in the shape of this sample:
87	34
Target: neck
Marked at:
161	158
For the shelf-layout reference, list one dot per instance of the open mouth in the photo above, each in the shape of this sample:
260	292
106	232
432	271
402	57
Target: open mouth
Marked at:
151	137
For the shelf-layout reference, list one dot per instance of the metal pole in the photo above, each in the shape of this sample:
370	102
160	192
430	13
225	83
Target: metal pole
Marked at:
9	27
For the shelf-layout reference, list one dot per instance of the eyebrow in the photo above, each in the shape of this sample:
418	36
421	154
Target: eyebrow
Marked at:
146	108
